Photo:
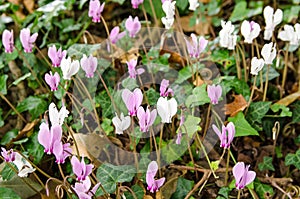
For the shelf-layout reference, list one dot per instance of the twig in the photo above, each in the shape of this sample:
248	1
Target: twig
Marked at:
204	178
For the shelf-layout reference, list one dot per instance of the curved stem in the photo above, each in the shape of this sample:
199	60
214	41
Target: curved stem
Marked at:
267	81
227	165
252	92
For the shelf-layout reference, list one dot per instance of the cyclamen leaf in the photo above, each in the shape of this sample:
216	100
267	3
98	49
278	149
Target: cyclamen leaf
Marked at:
138	191
199	97
8	193
77	50
242	127
191	125
7	173
3	80
35	105
183	188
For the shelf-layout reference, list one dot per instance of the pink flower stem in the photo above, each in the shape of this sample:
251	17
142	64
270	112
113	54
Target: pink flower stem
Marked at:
46	60
147	24
160	141
286	57
13	108
237	63
227	165
244	62
239	194
207	120
267	81
252	92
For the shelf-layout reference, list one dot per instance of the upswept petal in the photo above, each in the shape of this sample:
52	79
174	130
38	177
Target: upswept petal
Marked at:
238	171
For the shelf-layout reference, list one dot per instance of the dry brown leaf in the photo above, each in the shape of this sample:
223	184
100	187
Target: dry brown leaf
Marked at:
147	197
201	28
239	104
29	5
289	99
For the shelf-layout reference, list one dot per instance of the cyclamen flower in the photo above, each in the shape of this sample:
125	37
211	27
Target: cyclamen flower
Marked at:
166	109
61	151
272	20
227	134
80	169
179	135
9	156
168	22
268	52
256	65
146	119
83	191
115	35
47	137
169	9
132	100
250	30
290	34
56	55
133	26
89	65
164	90
52	80
227	37
23	166
69	68
196	46
121	123
95	10
131	69
153	185
135	3
242	175
8	41
57	117
27	40
214	93
178	139
194	4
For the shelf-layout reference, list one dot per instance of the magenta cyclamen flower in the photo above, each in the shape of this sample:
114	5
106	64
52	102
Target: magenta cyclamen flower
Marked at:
135	3
131	69
80	169
47	137
27	40
196	45
164	90
214	93
227	134
153	185
115	35
8	41
95	10
146	119
61	151
9	156
133	26
52	80
83	191
132	100
56	55
89	65
242	175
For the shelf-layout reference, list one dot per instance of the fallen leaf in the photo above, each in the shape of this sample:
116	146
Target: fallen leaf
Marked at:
239	104
147	197
29	5
289	99
201	28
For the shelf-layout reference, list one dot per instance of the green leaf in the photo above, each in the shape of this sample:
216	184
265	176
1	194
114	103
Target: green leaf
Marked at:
184	74
239	86
35	105
266	164
172	151
257	111
293	159
191	125
106	125
182	4
223	58
7	173
7	193
183	188
241	11
129	83
272	74
242	127
119	1
3	79
138	191
296	112
8	136
109	175
106	106
263	189
224	192
285	111
157	7
77	50
17	81
199	97
152	96
1	119
34	148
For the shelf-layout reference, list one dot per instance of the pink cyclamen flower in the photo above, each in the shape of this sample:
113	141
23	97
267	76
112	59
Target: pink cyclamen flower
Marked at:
9	156
61	151
95	10
56	55
8	41
196	45
164	90
131	69
133	26
153	185
178	139
48	137
89	65
214	93
83	191
27	40
115	35
135	3
227	134
80	169
146	118
132	100
242	175
52	80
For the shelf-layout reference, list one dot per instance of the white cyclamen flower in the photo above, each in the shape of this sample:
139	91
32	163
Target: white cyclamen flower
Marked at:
69	68
166	109
169	8
24	167
290	34
57	117
250	30
227	37
269	52
121	123
256	65
168	22
193	4
272	20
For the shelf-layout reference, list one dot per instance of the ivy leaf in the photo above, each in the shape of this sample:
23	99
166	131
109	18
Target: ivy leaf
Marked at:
224	192
266	164
183	188
199	97
106	105
8	193
293	159
263	189
106	125
3	79
138	191
109	175
35	105
242	127
296	112
257	111
285	111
